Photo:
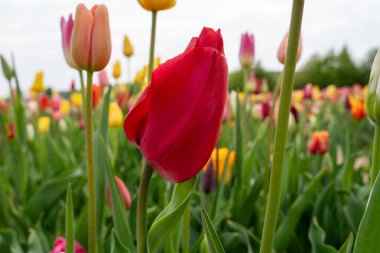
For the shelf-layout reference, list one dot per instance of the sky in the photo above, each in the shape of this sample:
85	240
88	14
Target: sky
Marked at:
31	30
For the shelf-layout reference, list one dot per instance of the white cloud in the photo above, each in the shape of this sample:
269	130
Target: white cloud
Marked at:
30	29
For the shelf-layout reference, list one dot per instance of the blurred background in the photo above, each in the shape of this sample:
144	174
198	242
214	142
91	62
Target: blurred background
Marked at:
338	47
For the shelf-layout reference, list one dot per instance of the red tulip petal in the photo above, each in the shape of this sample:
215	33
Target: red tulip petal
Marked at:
187	102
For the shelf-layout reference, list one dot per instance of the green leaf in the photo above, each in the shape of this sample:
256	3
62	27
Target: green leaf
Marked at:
167	220
8	72
69	222
214	243
288	226
100	166
348	245
35	245
9	242
367	239
116	245
317	237
119	216
49	193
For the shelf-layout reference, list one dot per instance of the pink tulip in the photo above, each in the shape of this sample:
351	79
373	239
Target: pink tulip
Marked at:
60	246
247	50
91	40
125	195
66	30
103	78
281	53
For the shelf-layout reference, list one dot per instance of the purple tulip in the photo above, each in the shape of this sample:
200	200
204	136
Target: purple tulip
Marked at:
209	179
247	50
67	29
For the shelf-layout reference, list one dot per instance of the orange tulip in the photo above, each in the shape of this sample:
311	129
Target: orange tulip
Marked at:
157	5
319	143
91	38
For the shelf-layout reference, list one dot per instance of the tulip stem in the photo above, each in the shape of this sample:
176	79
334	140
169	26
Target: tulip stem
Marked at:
152	43
90	168
273	203
186	230
82	91
375	155
142	205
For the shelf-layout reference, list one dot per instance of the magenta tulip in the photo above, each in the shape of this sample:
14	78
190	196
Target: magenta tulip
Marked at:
66	30
247	50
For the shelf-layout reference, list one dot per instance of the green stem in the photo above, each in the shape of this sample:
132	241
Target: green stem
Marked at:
11	94
152	43
129	78
375	155
82	91
90	169
142	204
186	230
271	128
273	204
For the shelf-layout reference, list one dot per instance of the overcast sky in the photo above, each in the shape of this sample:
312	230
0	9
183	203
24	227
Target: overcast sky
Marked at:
31	29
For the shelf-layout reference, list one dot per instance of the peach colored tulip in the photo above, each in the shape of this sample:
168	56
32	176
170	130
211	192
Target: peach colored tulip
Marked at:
91	38
281	53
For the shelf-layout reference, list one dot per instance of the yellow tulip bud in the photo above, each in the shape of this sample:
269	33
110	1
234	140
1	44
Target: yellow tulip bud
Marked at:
43	124
76	99
157	5
38	84
116	69
128	47
115	118
65	107
222	160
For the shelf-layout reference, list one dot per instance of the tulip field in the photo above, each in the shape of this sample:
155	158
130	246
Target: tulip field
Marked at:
181	159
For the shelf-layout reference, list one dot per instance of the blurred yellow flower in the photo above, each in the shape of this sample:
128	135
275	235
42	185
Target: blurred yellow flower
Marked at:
157	62
222	159
358	107
316	93
38	84
76	99
43	124
65	107
128	47
157	5
332	92
115	118
116	69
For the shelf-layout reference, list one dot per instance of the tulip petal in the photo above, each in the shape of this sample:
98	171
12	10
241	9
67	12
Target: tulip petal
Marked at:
187	102
81	37
100	39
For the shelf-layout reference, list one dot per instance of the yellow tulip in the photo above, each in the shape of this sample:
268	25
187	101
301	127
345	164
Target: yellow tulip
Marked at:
38	84
157	62
65	107
157	5
116	70
76	99
222	159
128	47
43	124
115	118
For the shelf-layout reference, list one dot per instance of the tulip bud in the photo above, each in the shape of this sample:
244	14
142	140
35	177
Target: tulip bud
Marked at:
116	70
128	47
281	53
209	179
67	30
38	84
373	94
72	85
157	5
76	99
43	124
116	117
60	246
247	50
65	107
103	78
30	132
91	39
8	72
125	194
265	110
319	143
96	95
11	131
358	107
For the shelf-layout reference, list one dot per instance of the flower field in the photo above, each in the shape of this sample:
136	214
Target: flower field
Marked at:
179	159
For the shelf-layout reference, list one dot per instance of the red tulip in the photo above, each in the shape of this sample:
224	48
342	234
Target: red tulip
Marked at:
66	30
44	102
319	143
265	110
281	53
125	195
96	95
11	131
247	50
176	120
91	38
